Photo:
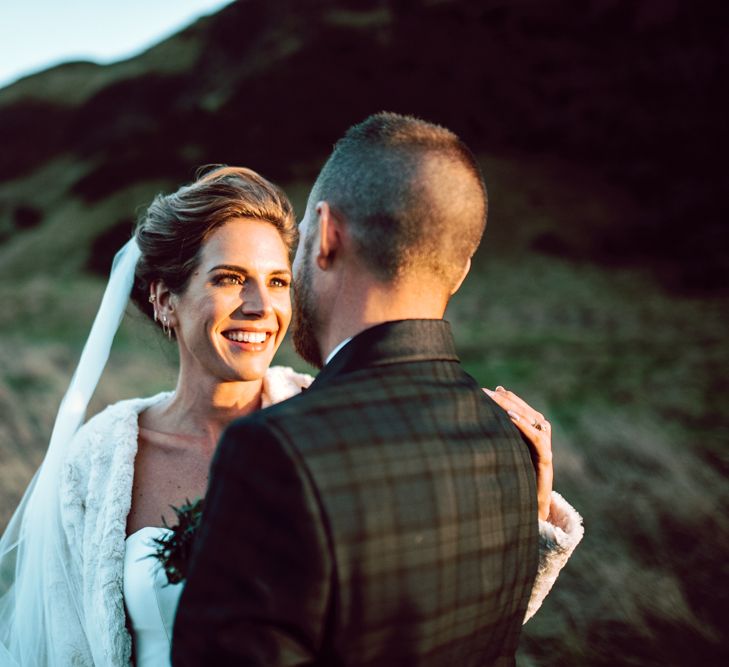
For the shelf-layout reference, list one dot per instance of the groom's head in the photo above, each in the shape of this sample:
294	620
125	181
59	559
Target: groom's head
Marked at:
399	202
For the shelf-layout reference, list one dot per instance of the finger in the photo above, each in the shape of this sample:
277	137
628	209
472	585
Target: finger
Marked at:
539	441
507	403
505	400
533	430
519	401
539	433
543	425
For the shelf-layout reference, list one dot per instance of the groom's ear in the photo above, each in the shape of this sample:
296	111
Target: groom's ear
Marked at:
330	236
466	269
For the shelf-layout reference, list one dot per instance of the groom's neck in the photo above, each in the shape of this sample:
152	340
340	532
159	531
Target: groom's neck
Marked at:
365	302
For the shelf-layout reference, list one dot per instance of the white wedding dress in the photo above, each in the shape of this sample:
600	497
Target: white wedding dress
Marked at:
149	599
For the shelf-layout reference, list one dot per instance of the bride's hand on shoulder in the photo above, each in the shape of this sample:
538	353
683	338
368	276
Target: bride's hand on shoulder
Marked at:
538	432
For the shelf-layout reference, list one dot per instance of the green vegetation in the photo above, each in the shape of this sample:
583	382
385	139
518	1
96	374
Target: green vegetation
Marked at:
633	378
634	381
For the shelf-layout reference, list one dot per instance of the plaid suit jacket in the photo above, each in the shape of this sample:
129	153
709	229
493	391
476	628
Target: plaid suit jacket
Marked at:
386	516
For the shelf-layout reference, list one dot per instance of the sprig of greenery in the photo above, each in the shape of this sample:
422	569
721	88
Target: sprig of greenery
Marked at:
175	548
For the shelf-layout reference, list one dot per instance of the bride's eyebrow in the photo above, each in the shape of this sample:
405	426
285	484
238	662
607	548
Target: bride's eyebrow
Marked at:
239	269
228	267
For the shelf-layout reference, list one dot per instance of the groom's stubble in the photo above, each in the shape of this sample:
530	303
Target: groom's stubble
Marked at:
305	313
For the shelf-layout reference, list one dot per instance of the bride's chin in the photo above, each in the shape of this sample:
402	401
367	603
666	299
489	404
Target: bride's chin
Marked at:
249	374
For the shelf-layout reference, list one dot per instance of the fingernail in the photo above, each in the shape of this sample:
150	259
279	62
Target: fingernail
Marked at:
500	388
513	415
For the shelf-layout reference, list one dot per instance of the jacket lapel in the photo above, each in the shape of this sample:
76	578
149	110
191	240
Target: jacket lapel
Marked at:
395	342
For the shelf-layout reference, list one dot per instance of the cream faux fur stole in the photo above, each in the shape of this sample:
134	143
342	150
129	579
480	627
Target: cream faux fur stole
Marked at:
96	492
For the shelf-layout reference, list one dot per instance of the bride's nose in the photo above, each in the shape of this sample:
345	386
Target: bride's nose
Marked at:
256	300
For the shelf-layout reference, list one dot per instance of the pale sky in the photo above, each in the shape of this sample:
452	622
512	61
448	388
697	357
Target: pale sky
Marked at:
36	34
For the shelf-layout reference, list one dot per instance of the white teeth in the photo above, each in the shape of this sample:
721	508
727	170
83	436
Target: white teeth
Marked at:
246	336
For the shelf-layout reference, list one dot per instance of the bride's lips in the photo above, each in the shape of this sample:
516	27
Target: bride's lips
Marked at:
248	339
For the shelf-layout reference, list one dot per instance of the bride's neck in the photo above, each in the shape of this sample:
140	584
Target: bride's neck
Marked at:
202	408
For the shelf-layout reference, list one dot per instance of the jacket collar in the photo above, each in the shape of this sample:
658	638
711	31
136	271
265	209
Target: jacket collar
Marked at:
395	342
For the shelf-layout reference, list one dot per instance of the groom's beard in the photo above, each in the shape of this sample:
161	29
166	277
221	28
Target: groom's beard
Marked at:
303	326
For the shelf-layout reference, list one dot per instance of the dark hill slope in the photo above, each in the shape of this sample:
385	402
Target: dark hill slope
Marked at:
628	88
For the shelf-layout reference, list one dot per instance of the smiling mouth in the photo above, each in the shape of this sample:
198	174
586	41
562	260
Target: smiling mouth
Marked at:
255	337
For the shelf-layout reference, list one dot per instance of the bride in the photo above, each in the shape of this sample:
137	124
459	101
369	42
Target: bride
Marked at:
208	263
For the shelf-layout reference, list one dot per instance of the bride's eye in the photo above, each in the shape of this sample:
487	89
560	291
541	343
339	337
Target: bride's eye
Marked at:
227	279
280	282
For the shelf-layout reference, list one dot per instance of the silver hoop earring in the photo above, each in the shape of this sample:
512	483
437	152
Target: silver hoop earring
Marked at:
166	328
152	299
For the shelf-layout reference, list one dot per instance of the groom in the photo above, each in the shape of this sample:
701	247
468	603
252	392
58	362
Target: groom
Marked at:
387	515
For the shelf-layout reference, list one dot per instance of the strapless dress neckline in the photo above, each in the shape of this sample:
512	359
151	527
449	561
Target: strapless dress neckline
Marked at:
151	602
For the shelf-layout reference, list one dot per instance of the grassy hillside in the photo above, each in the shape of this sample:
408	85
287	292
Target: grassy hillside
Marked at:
633	378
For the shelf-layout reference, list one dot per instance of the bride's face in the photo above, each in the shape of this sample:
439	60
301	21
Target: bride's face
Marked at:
236	308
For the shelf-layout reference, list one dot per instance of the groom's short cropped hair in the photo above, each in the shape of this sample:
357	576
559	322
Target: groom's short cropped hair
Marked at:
412	193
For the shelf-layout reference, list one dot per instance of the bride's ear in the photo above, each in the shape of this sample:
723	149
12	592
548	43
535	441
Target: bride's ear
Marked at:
163	301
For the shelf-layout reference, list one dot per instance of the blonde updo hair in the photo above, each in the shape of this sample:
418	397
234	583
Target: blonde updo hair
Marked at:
172	231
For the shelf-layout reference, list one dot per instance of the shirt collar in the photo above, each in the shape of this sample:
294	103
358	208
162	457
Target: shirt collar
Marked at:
331	355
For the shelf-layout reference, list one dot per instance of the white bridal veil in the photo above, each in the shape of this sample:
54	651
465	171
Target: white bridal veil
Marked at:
37	572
